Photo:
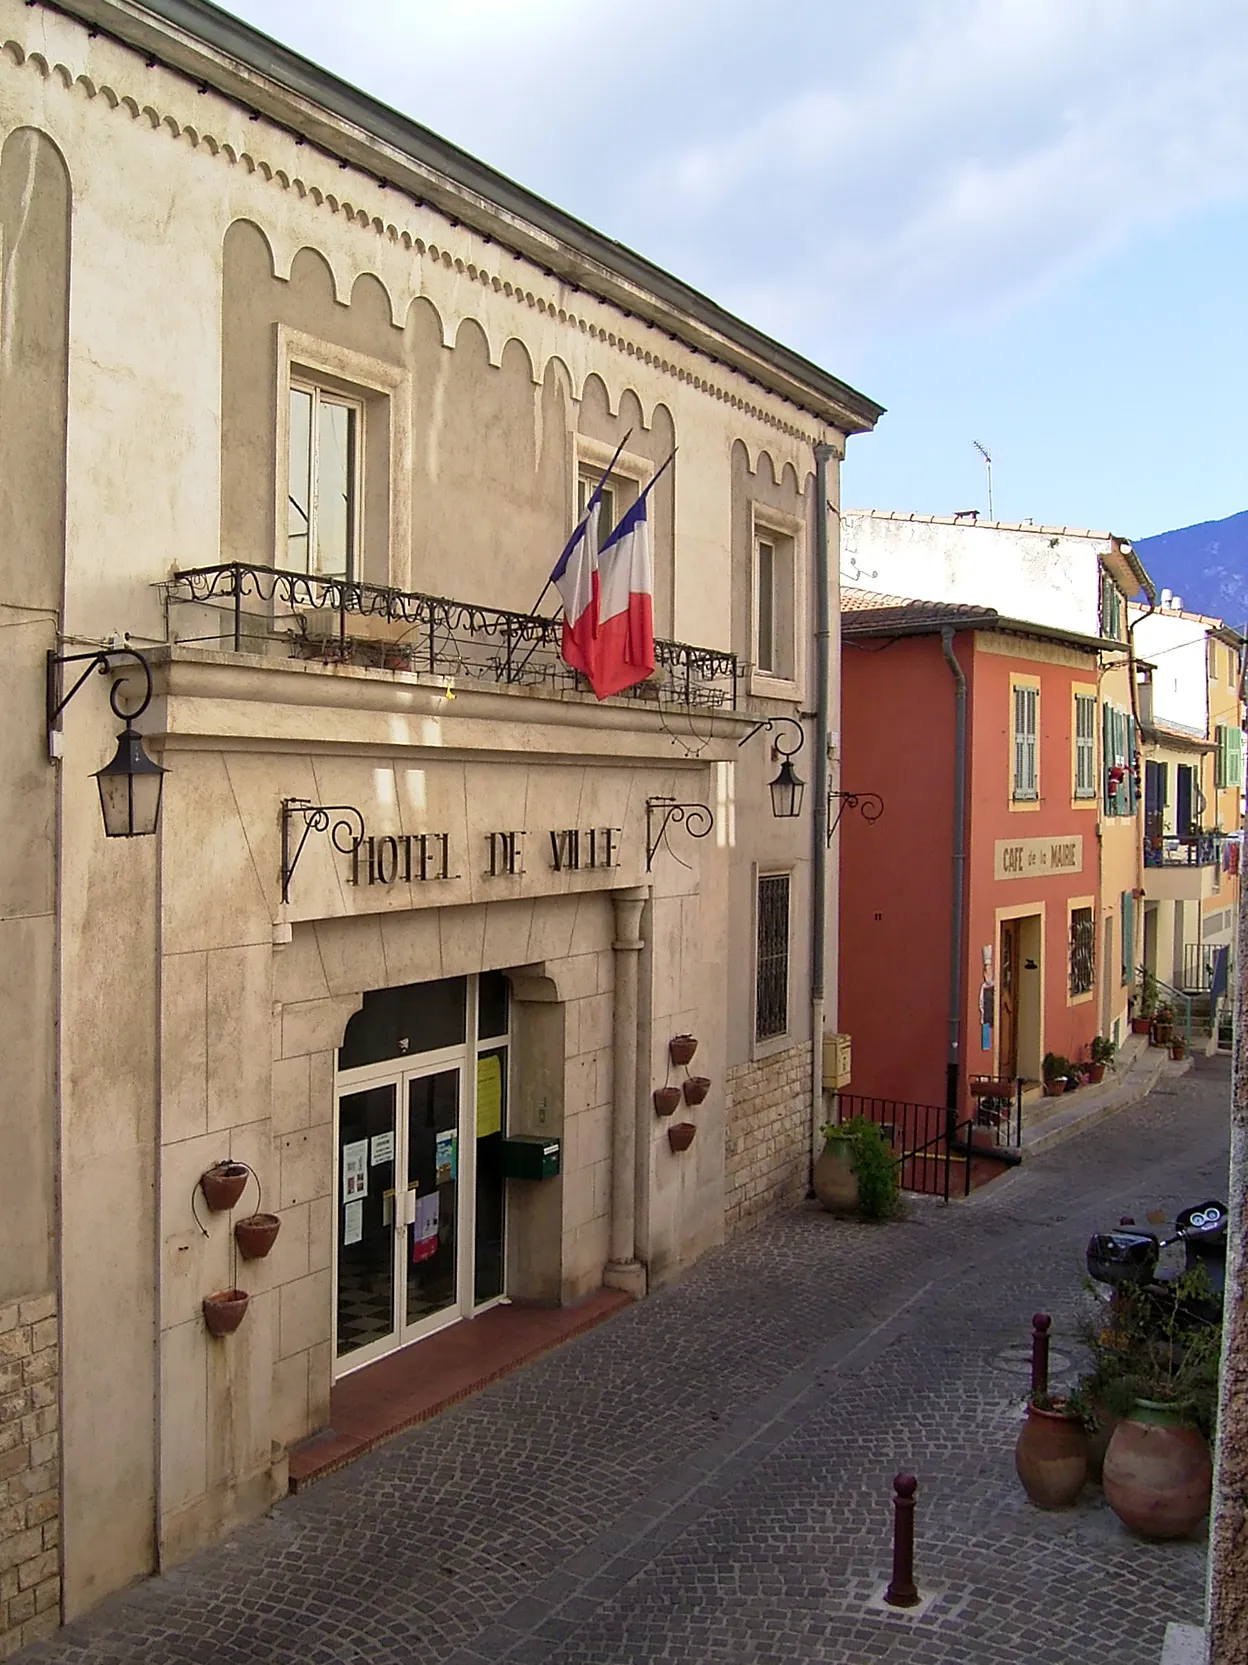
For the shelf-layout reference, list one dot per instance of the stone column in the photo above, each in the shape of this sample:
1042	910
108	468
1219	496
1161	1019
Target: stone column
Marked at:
623	1270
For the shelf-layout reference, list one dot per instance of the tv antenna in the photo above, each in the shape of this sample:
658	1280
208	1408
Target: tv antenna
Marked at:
988	468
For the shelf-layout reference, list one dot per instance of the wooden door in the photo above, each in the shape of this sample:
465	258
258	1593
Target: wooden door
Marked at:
1007	1032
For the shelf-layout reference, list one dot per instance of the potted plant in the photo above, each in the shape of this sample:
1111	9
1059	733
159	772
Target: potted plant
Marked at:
1142	1019
1051	1455
859	1171
1163	1025
1056	1072
835	1182
1102	1055
1178	1046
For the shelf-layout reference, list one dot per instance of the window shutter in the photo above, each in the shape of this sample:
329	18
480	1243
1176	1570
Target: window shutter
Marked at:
1235	750
1129	759
1128	935
1107	754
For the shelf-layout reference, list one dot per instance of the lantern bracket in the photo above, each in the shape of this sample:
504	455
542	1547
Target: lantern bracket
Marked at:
697	819
102	660
778	748
869	804
316	818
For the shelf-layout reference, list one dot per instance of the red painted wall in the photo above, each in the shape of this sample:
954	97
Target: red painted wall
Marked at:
1067	1029
897	723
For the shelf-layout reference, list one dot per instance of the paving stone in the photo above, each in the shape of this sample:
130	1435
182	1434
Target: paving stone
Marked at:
707	1478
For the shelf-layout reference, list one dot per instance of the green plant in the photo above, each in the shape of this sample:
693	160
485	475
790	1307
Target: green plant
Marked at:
1150	1346
1103	1049
1055	1066
1148	993
874	1165
1164	1014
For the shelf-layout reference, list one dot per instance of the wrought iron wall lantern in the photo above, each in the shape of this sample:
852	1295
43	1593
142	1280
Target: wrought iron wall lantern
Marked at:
869	804
697	820
130	786
788	788
317	818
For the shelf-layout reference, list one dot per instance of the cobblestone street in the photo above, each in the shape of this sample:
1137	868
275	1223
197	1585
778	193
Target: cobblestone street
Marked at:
707	1476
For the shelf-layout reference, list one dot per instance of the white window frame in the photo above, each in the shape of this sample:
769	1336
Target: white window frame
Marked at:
1023	791
768	525
319	394
1085	785
629	475
306	360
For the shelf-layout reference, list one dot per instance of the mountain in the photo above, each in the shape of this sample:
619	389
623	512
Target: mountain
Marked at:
1206	565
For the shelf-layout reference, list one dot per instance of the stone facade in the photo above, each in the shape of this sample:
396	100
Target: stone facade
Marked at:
767	1146
30	1556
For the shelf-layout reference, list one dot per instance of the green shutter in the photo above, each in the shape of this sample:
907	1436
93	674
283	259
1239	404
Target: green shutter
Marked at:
1128	935
1130	757
1107	754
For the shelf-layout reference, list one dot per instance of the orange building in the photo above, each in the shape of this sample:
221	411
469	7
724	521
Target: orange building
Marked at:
968	940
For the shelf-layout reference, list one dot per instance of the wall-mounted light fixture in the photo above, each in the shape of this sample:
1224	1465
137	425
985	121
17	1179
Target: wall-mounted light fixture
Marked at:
130	786
788	788
343	822
697	819
869	804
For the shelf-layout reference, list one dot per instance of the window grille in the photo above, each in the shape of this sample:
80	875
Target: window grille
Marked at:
1082	951
1026	713
1085	746
771	1004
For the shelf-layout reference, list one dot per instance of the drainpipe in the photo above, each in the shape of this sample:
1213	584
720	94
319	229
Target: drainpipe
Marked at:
957	904
819	819
1137	768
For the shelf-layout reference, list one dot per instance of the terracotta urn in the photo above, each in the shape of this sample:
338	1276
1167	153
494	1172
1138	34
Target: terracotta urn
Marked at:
835	1182
696	1089
666	1100
1158	1475
223	1312
223	1184
1096	1074
682	1048
1051	1456
1098	1441
1056	1087
680	1135
256	1235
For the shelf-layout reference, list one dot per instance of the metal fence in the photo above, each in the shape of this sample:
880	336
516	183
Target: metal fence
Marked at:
929	1159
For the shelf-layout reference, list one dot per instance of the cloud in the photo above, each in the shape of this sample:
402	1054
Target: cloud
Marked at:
832	172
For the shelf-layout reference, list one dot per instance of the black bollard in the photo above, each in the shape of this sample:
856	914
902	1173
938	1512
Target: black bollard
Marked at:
1040	1352
901	1590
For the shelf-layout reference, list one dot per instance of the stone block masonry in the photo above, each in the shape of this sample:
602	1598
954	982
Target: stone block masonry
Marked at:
30	1555
767	1136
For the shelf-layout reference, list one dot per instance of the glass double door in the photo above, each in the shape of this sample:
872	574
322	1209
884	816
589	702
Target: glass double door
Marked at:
419	1201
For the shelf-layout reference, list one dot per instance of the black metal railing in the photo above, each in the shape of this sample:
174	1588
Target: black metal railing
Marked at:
339	621
924	1146
1202	849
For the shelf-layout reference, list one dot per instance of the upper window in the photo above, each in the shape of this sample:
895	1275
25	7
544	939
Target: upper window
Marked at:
1111	608
771	994
1085	745
765	578
1118	745
1026	742
608	514
323	498
1229	757
773	580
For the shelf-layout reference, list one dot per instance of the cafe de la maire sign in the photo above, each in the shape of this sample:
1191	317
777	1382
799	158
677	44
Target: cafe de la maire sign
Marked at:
1037	858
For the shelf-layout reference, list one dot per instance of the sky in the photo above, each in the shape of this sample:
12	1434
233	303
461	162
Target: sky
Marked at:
1022	222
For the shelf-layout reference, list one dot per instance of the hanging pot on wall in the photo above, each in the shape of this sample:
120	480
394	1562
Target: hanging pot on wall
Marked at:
223	1312
256	1235
223	1183
680	1135
682	1048
696	1089
665	1100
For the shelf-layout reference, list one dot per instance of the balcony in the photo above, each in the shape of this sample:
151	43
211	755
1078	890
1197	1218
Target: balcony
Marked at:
263	610
1195	849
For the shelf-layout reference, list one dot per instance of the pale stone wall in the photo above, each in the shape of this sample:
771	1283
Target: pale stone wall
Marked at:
768	1136
30	1556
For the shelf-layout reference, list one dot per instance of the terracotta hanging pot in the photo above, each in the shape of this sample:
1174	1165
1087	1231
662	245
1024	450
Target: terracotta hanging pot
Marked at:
256	1235
665	1100
1051	1456
223	1183
682	1048
223	1312
696	1089
835	1182
680	1135
1158	1476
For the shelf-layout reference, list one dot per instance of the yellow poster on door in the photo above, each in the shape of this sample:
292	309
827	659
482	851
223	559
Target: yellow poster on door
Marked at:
489	1096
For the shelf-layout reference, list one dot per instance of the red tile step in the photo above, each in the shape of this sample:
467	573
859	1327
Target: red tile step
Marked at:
380	1400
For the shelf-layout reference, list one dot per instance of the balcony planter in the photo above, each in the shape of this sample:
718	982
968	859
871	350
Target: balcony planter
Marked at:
680	1135
665	1100
696	1089
682	1048
223	1312
256	1235
223	1184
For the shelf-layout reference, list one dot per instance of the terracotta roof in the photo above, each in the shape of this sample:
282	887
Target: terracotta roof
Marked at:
869	613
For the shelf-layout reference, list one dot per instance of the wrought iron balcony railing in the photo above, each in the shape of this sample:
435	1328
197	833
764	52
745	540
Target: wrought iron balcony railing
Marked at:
1200	849
265	610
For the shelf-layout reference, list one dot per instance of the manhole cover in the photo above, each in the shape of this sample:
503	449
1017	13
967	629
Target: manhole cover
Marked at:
1018	1358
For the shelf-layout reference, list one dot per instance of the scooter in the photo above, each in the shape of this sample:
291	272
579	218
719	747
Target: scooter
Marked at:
1129	1256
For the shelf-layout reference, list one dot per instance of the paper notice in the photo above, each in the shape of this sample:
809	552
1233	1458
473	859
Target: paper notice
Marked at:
444	1157
489	1096
355	1170
425	1228
381	1149
353	1222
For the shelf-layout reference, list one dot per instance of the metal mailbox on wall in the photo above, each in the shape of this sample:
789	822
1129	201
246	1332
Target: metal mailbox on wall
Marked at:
530	1156
836	1062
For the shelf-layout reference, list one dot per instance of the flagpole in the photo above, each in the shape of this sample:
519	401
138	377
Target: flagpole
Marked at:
597	492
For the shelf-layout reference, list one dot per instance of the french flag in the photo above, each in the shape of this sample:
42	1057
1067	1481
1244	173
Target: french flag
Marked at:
576	579
624	649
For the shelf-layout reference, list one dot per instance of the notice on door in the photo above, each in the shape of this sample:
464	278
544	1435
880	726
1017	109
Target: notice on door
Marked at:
1037	858
353	1223
381	1148
489	1096
425	1228
444	1158
355	1170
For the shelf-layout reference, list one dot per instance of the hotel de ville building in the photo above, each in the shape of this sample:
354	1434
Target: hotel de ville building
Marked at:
298	406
